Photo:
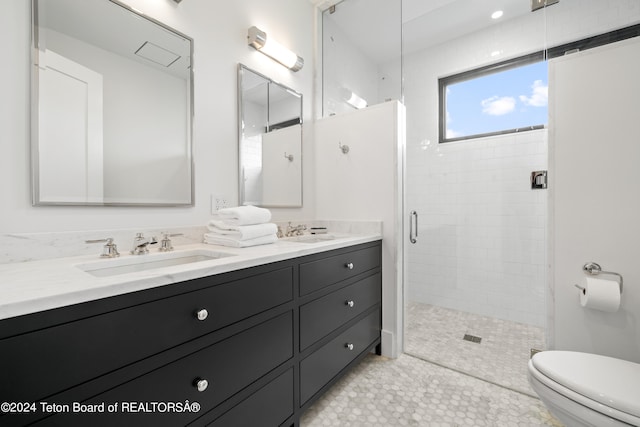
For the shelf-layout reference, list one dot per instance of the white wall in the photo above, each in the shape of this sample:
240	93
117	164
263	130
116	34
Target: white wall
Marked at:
595	205
358	38
346	69
219	30
285	109
280	176
366	185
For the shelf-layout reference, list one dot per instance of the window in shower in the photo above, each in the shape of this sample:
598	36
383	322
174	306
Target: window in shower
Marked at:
501	98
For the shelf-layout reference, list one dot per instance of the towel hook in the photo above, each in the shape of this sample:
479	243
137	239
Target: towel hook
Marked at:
594	269
288	156
344	148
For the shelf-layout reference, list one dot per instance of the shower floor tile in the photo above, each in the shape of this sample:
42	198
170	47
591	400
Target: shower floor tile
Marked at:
436	334
411	392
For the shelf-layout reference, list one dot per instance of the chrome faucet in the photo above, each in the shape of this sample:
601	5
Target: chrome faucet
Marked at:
295	231
109	250
165	243
141	243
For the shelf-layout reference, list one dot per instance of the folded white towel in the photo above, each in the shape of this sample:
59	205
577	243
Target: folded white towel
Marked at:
241	232
235	243
244	215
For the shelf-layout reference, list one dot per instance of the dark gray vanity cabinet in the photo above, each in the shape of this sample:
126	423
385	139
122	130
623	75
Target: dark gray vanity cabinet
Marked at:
250	347
340	315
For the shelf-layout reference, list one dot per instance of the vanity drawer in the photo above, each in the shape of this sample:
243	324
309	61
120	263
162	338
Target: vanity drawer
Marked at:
315	275
228	366
327	362
50	360
269	406
323	315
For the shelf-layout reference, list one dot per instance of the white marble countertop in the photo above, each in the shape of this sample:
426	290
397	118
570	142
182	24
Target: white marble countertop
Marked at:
29	287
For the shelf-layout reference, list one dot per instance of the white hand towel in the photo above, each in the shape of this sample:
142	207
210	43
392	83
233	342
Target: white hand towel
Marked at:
228	241
240	232
244	215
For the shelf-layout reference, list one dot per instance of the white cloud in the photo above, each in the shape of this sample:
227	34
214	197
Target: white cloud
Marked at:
498	106
453	134
450	132
539	95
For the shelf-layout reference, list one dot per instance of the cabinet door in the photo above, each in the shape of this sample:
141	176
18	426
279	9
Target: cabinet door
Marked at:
324	315
227	366
53	359
269	406
324	364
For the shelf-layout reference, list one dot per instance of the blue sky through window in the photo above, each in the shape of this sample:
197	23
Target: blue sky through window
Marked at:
511	99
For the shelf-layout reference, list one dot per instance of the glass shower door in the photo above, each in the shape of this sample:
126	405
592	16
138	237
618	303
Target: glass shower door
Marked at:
475	284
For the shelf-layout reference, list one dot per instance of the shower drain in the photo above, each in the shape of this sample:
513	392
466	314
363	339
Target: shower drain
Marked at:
472	338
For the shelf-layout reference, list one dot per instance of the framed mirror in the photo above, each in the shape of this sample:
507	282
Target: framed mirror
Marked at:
112	105
270	141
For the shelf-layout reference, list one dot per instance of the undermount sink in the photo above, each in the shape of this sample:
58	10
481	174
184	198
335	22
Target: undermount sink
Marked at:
310	238
135	263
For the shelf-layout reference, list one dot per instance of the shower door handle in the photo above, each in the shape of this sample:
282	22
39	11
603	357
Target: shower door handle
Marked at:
413	232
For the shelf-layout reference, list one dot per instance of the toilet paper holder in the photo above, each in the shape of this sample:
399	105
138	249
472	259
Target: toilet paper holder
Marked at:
594	269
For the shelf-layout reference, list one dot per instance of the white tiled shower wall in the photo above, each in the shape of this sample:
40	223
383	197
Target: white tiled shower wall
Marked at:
481	243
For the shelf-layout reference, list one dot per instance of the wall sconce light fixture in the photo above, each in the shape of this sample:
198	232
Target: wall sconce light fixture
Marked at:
353	99
258	40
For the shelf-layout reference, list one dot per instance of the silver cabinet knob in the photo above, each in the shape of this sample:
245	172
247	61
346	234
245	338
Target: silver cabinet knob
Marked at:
349	265
201	384
202	314
349	346
350	303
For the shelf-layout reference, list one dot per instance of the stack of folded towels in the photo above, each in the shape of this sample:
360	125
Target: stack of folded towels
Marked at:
241	227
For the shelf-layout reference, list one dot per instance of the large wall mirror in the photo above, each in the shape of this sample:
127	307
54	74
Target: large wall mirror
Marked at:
112	96
270	141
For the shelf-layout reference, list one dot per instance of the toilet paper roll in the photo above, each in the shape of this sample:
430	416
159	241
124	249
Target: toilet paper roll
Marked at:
601	294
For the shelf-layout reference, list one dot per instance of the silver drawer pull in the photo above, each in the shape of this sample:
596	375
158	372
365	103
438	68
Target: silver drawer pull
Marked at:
201	384
350	303
349	265
202	314
349	346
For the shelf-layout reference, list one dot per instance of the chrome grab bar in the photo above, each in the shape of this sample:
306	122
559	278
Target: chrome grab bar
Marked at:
413	234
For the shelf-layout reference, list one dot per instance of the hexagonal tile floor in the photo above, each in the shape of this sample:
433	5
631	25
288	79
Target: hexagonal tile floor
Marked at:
435	334
408	391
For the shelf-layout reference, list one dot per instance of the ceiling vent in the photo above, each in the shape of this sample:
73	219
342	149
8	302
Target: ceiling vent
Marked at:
157	54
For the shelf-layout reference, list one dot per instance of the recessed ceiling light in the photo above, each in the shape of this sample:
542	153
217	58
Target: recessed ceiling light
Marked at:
497	14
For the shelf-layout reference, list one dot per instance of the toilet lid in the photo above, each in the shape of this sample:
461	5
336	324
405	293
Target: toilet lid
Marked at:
606	380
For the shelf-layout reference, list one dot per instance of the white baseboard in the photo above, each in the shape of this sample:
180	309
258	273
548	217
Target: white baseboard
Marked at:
389	348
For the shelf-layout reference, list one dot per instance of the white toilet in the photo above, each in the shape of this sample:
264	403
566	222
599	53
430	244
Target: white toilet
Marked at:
582	389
